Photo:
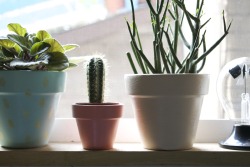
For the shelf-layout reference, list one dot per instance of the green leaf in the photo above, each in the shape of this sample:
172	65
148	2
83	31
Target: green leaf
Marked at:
69	47
20	40
7	43
4	59
10	46
20	54
24	64
42	35
38	48
55	45
76	60
9	52
71	65
58	61
17	28
32	39
17	48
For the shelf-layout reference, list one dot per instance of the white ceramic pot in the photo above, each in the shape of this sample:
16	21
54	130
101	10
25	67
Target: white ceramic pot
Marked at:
167	108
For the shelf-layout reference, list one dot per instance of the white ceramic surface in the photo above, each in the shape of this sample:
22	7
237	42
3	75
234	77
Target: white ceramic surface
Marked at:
167	108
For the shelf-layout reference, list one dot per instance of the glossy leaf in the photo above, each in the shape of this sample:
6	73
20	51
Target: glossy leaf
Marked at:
76	60
9	47
17	28
36	51
20	40
17	48
5	59
20	54
7	43
57	61
24	64
42	35
9	52
38	48
71	65
69	47
55	45
32	39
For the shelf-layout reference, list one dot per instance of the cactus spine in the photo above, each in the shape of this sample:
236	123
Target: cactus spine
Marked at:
95	79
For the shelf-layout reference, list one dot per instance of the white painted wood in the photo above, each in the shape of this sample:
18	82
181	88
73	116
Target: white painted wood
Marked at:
125	154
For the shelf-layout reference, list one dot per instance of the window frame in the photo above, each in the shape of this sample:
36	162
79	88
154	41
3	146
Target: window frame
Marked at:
65	129
209	130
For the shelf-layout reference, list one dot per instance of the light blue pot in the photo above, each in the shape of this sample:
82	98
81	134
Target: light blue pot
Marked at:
28	102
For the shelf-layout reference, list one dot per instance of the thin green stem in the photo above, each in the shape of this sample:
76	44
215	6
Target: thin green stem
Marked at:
138	58
151	7
132	63
172	51
133	16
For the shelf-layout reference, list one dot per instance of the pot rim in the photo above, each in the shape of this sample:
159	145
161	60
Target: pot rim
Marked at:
97	104
167	84
30	71
27	82
97	111
181	74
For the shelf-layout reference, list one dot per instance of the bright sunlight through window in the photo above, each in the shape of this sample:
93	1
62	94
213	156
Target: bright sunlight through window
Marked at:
98	26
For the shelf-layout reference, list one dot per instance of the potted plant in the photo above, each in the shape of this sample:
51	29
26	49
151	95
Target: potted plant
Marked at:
31	81
97	120
167	97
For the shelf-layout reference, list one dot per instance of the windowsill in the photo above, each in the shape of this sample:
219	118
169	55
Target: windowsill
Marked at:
72	154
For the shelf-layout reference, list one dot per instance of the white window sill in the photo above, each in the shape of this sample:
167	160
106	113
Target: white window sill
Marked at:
72	154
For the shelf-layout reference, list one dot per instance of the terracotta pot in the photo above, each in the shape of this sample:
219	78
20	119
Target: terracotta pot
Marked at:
97	124
167	108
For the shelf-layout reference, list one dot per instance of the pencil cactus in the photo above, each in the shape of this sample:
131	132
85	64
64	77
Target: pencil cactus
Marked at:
167	32
96	79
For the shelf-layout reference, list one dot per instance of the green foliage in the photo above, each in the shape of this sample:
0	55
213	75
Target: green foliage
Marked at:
96	79
17	28
167	27
24	51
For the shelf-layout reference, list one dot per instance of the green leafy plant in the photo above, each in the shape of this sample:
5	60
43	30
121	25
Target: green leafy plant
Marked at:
37	51
96	79
167	18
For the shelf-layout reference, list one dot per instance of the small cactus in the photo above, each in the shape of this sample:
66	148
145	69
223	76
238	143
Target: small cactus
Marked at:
96	79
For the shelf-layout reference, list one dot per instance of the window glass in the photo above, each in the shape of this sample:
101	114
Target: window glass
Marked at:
55	15
99	27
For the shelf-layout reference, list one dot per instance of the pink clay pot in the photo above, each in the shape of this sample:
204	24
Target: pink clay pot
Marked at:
97	124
